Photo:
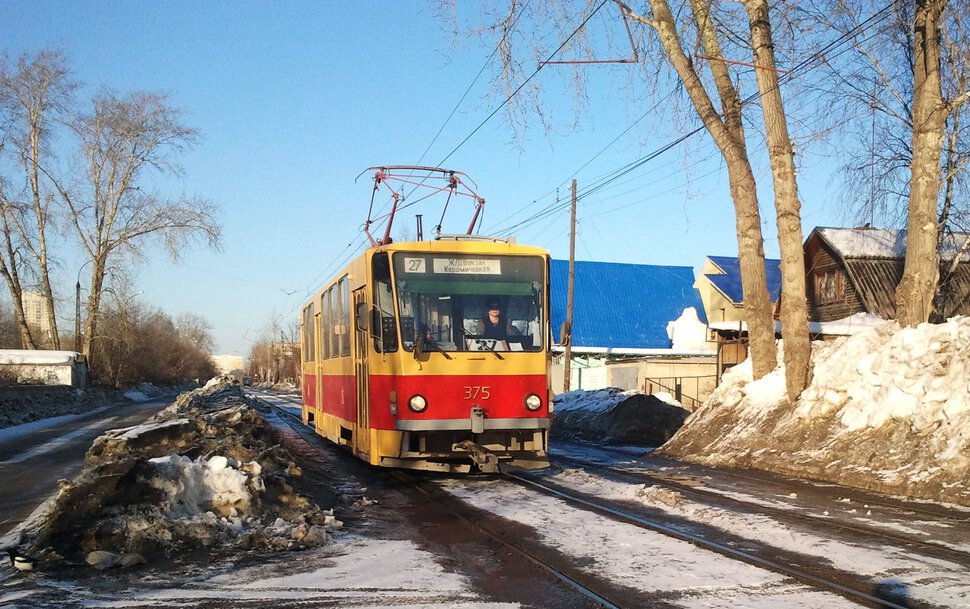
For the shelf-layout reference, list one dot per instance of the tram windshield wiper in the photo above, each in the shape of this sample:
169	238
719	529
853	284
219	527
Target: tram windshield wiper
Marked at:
420	343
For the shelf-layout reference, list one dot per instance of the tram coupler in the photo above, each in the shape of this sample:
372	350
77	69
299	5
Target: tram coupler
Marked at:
486	460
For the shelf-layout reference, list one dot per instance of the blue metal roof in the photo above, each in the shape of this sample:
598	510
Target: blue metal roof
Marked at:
622	305
730	282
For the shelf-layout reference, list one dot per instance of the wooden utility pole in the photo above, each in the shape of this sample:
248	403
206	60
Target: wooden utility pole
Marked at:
567	331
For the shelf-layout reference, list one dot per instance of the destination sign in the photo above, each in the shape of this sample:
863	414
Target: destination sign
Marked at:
468	266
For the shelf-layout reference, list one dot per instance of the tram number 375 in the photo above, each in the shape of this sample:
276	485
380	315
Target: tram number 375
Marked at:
477	392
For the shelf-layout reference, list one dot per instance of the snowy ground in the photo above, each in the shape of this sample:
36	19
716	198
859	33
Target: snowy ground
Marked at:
888	409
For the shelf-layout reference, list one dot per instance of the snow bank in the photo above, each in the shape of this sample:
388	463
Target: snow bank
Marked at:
887	409
207	474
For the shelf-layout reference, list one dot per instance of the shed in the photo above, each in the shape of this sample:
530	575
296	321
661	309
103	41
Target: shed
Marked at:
856	270
39	367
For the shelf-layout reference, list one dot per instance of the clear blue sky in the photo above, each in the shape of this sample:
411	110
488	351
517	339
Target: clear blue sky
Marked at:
295	99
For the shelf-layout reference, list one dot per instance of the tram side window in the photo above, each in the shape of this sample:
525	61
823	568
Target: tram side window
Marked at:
334	304
309	351
385	334
343	329
325	325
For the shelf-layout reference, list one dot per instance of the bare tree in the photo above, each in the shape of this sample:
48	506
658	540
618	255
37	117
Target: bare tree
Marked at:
139	343
914	294
691	40
195	330
726	129
9	337
33	95
902	90
123	139
794	310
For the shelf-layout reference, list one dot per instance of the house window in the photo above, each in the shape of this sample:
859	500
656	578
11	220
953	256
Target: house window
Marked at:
829	287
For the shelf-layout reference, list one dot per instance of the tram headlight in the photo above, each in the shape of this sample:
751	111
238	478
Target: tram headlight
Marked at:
533	402
417	403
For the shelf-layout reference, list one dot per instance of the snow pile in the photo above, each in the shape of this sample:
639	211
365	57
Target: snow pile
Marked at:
688	334
206	475
616	417
142	393
853	324
888	409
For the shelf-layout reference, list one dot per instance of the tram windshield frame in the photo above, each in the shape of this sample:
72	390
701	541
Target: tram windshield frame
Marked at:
443	299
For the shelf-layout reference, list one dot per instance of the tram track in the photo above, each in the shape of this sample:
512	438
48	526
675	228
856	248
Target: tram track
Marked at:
721	500
493	528
728	548
601	591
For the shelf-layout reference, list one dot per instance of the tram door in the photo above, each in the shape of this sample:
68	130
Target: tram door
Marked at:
362	434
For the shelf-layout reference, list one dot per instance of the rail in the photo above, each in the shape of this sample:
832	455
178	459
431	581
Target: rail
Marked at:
794	572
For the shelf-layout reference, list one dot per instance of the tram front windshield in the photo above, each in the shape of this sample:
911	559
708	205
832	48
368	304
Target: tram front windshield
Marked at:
452	302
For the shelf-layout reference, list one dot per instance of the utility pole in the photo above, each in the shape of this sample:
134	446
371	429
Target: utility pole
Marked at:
566	335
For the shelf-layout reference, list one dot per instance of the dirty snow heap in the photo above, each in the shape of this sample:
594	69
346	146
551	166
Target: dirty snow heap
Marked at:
205	476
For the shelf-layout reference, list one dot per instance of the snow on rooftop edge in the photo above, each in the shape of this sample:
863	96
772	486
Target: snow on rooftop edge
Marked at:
36	357
885	243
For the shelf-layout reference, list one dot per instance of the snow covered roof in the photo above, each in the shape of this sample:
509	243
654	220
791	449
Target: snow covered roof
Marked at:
36	357
729	283
869	242
622	307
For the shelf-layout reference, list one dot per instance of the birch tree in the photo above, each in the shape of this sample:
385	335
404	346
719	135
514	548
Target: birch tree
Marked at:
124	139
727	131
903	89
914	294
34	95
794	310
690	41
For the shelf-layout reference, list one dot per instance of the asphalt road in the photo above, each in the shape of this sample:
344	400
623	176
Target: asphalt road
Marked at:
34	456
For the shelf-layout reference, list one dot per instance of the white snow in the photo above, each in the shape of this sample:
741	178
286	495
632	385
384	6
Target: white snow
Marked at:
36	357
914	375
884	243
640	559
931	580
195	487
887	408
601	400
847	326
688	334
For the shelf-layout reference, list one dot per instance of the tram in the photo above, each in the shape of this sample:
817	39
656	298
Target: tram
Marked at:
401	364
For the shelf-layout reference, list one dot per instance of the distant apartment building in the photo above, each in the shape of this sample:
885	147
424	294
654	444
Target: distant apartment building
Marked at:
227	364
35	312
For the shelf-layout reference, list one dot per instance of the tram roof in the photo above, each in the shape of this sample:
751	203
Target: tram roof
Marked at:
622	306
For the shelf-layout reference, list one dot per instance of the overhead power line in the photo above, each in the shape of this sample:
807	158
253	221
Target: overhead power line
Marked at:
796	71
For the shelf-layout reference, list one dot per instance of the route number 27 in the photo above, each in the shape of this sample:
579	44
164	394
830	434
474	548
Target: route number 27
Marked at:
475	392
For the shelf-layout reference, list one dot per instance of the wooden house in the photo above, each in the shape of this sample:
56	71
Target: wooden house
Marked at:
856	270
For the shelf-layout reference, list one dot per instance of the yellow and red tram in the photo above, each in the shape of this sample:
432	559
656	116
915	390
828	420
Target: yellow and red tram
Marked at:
396	366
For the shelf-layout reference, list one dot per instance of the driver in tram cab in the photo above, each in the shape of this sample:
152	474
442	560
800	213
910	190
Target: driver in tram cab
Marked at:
495	325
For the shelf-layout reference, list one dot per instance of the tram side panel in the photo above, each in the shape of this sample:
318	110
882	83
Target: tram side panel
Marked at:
329	394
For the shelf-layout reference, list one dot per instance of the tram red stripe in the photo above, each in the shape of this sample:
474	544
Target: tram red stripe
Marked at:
453	396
